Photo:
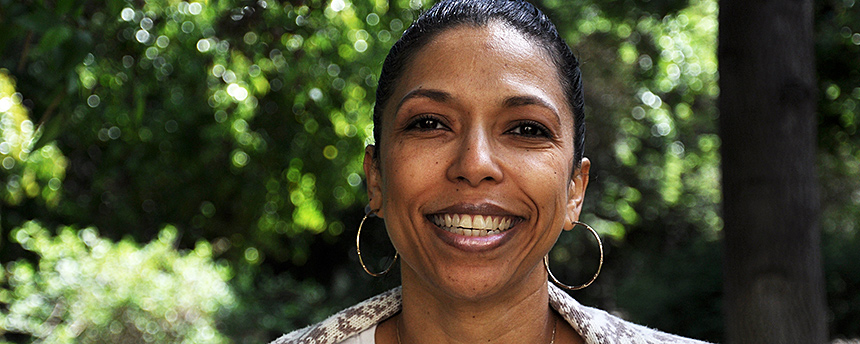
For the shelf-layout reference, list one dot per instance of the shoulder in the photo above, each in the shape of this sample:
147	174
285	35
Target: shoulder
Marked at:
598	326
348	322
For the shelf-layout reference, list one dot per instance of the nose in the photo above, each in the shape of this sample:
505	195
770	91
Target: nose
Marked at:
475	161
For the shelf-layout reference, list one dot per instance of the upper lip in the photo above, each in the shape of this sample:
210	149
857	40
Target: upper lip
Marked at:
483	208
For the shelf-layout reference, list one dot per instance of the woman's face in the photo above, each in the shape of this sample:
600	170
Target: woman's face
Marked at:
474	178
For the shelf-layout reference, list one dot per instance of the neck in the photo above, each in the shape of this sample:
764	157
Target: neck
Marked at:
519	314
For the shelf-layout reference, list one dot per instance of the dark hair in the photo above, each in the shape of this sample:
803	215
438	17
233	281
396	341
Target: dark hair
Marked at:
520	15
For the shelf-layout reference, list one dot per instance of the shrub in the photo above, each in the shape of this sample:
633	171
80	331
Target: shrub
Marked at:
86	289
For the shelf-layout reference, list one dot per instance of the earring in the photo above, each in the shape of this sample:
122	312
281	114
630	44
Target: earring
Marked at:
565	286
358	249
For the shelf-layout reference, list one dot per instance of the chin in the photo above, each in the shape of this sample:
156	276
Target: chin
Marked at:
475	283
475	290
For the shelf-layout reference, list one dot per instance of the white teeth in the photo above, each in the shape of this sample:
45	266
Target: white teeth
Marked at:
473	225
477	221
465	222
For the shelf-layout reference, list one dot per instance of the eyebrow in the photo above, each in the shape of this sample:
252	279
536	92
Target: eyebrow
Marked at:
516	101
435	95
510	102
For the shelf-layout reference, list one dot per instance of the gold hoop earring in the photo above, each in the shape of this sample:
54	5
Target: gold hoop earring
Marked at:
565	286
358	249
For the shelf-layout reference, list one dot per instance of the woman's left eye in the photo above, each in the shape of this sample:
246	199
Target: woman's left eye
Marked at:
530	129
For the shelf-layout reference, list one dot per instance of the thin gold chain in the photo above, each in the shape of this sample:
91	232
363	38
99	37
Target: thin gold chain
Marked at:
400	320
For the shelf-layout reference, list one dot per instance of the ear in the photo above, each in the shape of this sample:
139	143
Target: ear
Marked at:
576	193
373	180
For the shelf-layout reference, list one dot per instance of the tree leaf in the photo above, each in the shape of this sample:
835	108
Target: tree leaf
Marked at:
54	37
64	6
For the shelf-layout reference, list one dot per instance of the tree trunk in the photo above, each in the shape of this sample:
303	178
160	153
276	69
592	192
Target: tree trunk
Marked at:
774	288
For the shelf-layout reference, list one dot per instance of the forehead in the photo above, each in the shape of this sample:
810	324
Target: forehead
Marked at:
495	39
493	60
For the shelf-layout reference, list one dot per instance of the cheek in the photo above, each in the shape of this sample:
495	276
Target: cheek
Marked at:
408	171
543	175
543	164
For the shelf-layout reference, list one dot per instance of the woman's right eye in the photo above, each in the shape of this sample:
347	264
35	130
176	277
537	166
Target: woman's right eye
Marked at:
426	123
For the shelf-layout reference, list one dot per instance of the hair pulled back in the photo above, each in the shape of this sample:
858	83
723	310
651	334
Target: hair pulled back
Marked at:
520	15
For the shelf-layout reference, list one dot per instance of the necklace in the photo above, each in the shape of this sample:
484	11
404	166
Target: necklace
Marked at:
400	320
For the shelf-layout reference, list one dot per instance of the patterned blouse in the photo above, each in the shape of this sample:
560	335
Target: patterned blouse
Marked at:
594	325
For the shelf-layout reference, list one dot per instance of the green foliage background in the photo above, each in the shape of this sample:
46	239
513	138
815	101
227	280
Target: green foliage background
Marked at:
229	135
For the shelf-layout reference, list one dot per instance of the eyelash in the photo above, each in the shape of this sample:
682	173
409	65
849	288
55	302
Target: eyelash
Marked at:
416	124
543	131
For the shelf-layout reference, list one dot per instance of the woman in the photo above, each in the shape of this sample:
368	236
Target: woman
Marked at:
478	166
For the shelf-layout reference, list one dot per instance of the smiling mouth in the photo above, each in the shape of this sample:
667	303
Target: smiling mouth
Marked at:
473	225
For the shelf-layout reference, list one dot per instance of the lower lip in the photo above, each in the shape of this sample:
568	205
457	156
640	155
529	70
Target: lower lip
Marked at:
473	243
